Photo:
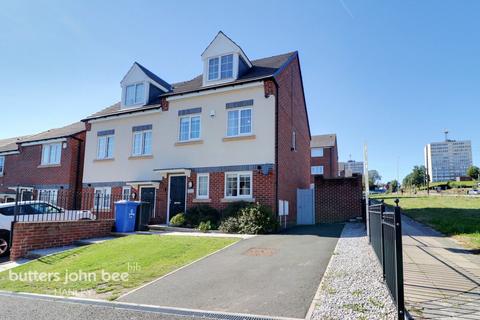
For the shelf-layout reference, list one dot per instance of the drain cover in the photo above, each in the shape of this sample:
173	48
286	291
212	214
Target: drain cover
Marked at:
260	252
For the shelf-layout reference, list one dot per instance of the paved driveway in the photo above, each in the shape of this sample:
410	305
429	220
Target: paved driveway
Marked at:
272	275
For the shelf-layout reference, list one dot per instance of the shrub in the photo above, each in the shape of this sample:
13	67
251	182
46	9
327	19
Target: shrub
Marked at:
230	225
205	226
257	219
202	213
233	209
178	220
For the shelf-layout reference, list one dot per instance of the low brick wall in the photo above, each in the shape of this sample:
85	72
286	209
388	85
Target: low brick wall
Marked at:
338	199
29	236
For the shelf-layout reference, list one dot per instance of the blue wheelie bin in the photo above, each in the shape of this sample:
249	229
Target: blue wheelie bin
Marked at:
125	215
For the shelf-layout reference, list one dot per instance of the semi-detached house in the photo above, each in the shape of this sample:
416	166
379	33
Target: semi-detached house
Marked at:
238	131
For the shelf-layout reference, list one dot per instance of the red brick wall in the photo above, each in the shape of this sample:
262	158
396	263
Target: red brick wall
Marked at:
329	161
263	190
293	166
29	236
337	200
24	168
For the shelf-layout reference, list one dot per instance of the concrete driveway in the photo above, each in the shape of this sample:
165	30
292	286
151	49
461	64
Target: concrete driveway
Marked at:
271	275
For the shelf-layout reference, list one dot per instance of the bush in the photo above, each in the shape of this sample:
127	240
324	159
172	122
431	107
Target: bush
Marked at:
205	226
233	209
202	213
178	220
257	219
230	225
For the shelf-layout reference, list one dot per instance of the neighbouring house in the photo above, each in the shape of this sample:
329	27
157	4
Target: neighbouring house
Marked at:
324	156
42	163
349	168
237	132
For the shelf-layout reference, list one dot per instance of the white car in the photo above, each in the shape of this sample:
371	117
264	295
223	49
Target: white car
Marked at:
30	211
474	192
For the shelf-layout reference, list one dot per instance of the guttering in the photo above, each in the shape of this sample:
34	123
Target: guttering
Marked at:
43	141
7	153
216	90
123	114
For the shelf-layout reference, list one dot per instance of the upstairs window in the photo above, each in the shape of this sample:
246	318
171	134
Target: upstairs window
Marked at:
51	153
317	152
134	94
142	142
189	128
220	67
105	147
317	170
2	165
239	122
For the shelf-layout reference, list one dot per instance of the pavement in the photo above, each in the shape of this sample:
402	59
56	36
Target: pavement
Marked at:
442	279
269	275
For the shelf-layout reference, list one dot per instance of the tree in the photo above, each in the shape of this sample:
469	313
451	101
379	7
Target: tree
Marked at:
393	186
473	172
416	178
373	178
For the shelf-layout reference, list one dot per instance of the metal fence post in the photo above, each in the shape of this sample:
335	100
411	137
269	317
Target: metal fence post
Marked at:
399	262
382	236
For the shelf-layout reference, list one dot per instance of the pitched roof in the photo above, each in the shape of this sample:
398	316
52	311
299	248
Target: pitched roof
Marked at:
10	144
262	69
154	77
324	140
62	132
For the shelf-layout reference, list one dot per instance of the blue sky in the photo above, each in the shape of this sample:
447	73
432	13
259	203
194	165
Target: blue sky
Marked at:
393	74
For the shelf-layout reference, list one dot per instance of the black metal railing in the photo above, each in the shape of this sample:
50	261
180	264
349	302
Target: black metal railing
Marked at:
386	239
62	205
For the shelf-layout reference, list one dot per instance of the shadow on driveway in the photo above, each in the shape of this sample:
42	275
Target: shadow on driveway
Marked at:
271	275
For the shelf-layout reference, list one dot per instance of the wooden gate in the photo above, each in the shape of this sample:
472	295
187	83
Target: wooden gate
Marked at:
305	206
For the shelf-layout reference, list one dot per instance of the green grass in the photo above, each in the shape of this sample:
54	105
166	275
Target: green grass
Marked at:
453	216
142	257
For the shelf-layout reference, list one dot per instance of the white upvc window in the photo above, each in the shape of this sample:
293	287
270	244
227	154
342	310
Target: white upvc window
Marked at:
126	192
317	152
105	147
48	195
189	128
2	165
239	122
317	170
238	184
102	197
134	94
51	153
294	141
220	67
142	143
203	182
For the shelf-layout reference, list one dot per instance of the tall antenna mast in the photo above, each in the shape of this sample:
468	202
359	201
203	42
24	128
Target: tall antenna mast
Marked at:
446	134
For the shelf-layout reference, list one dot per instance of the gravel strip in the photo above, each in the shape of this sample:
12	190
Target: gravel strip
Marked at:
353	287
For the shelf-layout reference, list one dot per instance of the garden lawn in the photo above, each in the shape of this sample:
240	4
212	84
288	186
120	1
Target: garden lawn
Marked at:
453	216
143	257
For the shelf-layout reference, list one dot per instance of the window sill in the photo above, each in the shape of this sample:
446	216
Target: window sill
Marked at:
102	160
140	157
202	200
188	143
237	199
239	138
49	165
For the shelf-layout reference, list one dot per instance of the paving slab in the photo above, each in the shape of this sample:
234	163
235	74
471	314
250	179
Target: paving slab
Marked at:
271	275
442	279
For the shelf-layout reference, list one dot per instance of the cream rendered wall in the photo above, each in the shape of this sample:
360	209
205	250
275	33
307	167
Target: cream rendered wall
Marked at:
211	153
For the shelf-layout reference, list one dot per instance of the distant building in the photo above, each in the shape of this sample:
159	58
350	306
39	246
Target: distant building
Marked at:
445	161
324	155
346	169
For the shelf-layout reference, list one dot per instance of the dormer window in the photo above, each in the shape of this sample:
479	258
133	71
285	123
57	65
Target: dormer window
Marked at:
135	94
220	67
